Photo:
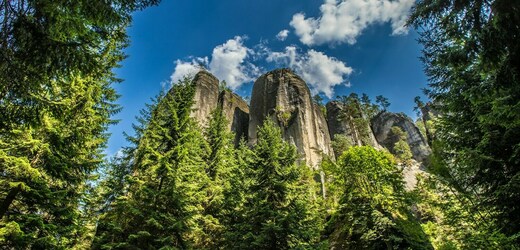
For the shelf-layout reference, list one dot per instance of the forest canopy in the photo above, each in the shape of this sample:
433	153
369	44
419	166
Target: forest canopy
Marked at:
181	184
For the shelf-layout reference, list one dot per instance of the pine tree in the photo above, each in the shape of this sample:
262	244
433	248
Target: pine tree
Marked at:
471	52
234	212
400	147
56	100
419	108
369	109
280	210
383	102
353	113
373	211
221	169
163	206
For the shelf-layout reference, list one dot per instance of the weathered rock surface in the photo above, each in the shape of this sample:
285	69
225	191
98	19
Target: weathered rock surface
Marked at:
383	122
284	97
410	173
342	121
236	111
206	96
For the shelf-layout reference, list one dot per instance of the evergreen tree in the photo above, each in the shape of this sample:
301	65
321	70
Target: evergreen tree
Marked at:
341	143
373	212
164	204
56	100
369	109
383	102
354	114
449	223
280	210
221	168
471	52
419	107
234	211
400	147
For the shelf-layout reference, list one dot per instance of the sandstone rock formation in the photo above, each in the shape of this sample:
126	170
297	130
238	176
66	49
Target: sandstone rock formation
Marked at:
236	111
353	125
206	96
284	97
384	121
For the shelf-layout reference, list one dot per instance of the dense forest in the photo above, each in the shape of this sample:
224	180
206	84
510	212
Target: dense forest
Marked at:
183	185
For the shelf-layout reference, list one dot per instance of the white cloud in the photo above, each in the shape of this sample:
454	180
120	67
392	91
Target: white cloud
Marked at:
345	20
320	71
231	62
228	63
190	68
282	35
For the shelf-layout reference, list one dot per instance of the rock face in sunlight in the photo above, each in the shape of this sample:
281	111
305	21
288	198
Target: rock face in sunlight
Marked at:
382	124
283	96
236	111
342	121
206	96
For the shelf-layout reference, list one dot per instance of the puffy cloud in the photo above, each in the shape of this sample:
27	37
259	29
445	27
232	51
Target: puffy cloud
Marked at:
282	35
320	71
190	68
231	62
228	63
345	20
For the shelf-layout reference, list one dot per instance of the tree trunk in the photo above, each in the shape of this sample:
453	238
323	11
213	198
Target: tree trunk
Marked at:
9	199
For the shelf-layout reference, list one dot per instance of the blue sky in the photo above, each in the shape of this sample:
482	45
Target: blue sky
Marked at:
338	46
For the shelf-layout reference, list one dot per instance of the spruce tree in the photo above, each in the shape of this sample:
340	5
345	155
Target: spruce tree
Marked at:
163	206
471	55
234	211
373	211
56	100
280	210
221	167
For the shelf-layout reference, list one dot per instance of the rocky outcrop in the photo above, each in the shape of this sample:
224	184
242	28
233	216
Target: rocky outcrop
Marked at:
206	96
351	123
384	121
284	97
236	111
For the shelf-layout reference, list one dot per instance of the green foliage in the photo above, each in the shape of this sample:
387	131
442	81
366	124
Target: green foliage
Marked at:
354	114
400	148
223	86
382	102
56	101
284	116
373	211
450	223
471	52
280	211
318	99
341	143
369	109
402	151
164	204
422	113
224	189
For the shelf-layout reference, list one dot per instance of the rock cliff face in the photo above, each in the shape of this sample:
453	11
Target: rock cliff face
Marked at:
284	97
383	122
350	123
206	96
236	111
